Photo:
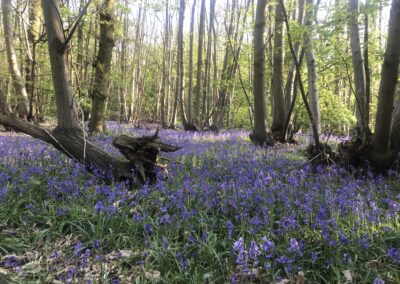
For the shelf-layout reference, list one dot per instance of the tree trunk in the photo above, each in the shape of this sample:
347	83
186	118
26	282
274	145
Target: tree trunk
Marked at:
207	78
299	79
225	74
358	67
279	106
191	37
312	67
395	133
18	82
389	77
260	136
4	107
180	68
165	73
366	65
292	70
199	63
30	66
103	64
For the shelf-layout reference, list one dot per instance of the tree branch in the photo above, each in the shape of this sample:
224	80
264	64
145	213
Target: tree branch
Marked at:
75	26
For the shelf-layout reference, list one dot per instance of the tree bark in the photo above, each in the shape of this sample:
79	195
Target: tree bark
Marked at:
312	67
18	82
199	63
180	66
279	106
292	70
260	136
358	67
395	132
225	74
366	65
4	107
165	73
33	33
191	38
103	64
389	77
300	81
207	78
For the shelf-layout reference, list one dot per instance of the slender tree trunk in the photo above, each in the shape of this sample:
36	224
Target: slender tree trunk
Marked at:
30	66
124	113
199	62
103	65
225	74
80	51
358	67
4	106
164	79
67	119
292	70
169	101
366	65
180	68
260	136
312	67
191	38
299	79
279	106
207	78
18	82
86	59
389	77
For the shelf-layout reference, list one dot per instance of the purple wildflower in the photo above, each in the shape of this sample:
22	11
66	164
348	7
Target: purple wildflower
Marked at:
294	245
78	248
238	245
394	254
99	207
378	280
148	228
253	250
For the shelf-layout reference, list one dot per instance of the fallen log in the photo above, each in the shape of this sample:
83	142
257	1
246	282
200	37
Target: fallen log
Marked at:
142	153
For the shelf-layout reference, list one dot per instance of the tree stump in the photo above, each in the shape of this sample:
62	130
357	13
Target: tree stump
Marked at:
144	153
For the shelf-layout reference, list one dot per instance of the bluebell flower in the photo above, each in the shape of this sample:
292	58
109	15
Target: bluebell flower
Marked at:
78	248
314	256
267	246
378	280
99	207
239	245
165	219
284	260
294	245
230	228
148	228
394	254
182	260
253	250
54	254
165	243
242	257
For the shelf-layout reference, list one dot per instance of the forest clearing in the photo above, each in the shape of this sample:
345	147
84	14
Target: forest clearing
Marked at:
229	211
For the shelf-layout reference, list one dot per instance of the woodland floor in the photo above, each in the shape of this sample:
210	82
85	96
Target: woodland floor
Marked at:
228	212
